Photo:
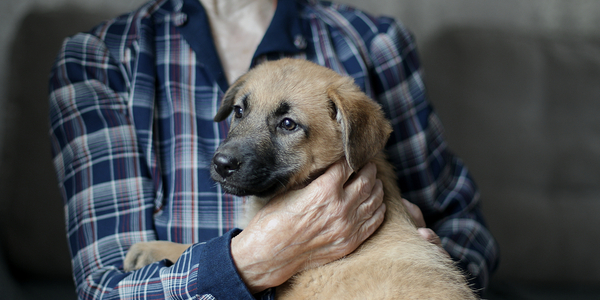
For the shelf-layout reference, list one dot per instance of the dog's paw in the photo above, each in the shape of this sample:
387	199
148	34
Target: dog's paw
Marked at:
140	255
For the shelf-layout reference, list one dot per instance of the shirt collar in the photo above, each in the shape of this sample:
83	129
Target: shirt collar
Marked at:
192	23
283	34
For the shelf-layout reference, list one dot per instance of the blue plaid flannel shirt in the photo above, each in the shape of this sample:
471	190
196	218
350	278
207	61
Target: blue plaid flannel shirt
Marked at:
131	107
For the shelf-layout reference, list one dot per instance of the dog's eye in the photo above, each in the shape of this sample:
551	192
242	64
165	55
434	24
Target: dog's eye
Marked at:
238	111
288	124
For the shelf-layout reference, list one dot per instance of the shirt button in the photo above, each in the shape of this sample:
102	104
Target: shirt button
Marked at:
179	19
300	42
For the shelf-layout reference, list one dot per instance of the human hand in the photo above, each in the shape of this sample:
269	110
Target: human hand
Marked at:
428	234
305	228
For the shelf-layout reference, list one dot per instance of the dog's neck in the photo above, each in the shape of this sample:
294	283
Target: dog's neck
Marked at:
238	27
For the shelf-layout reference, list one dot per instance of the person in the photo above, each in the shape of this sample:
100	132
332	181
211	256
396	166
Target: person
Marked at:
131	107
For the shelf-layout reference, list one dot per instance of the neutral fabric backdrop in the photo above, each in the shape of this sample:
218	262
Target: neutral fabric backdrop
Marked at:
516	83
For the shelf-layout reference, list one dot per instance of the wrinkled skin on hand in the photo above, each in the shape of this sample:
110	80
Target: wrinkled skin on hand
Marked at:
305	228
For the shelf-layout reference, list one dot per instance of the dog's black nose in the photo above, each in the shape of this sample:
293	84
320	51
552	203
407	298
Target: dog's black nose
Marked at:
225	165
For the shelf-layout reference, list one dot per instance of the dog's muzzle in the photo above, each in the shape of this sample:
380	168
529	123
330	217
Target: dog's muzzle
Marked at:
225	165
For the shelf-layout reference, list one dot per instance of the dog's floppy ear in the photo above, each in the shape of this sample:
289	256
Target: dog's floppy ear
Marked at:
227	102
365	130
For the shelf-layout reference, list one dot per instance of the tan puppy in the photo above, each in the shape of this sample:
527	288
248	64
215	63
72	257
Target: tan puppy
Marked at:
320	117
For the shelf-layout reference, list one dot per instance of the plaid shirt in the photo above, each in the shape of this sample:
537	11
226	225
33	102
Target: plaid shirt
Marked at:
131	107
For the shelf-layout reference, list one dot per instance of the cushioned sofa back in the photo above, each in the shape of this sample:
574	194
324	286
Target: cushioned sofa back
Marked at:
523	110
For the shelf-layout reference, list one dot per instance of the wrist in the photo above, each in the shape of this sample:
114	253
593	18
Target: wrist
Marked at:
242	260
257	266
216	273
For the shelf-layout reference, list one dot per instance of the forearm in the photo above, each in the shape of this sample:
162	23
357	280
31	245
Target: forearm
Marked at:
204	269
457	218
468	241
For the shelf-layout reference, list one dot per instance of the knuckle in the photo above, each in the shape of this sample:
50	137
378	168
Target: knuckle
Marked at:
326	189
363	183
362	188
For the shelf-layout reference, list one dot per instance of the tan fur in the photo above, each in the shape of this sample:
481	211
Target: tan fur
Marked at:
142	254
394	263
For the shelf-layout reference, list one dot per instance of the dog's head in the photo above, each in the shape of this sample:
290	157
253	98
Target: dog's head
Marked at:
291	120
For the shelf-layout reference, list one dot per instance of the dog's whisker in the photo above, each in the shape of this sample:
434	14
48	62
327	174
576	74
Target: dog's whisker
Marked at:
282	184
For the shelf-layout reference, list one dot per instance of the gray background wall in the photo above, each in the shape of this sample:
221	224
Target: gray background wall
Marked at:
516	83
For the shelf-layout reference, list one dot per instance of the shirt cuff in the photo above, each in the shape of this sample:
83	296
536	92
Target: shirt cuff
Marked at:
217	274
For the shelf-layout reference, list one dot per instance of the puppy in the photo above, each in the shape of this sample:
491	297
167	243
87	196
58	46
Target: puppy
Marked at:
305	117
